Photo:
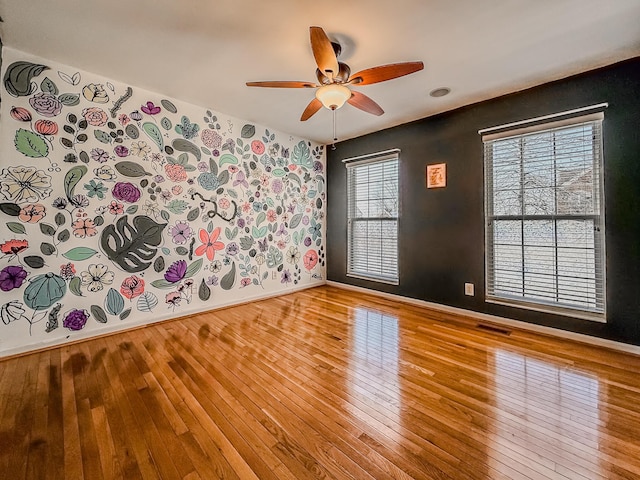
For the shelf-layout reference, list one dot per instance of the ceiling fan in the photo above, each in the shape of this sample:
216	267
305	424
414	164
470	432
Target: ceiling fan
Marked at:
335	77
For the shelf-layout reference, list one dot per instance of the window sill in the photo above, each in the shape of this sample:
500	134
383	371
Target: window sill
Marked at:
389	281
538	307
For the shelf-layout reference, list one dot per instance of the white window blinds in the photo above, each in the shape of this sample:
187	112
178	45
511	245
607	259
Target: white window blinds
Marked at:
544	212
372	198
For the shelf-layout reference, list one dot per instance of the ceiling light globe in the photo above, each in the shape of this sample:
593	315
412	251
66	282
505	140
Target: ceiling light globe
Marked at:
333	96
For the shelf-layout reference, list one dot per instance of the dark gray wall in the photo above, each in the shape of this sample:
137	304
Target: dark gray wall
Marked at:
441	232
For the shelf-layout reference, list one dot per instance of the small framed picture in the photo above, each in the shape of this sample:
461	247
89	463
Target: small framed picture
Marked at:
437	175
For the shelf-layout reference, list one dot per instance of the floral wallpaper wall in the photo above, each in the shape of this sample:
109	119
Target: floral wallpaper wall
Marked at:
120	207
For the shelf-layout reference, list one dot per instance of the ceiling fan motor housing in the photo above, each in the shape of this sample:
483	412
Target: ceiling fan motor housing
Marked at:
341	77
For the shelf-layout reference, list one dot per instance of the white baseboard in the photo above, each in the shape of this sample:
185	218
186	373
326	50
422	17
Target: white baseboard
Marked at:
556	332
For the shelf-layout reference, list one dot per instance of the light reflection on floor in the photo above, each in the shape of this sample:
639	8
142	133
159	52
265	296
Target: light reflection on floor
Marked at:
549	406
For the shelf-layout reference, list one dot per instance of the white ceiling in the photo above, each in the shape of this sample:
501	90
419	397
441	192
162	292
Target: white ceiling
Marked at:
203	51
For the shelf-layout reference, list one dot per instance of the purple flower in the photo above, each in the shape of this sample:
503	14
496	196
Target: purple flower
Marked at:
158	178
277	186
126	192
121	151
12	277
307	241
137	116
99	155
305	220
317	166
46	104
176	271
75	319
181	232
286	277
232	248
150	109
212	281
240	222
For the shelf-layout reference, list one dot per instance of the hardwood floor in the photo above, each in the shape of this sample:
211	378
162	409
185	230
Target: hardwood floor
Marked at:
323	383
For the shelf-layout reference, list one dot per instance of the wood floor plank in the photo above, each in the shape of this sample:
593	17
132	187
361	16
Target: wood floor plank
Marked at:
322	383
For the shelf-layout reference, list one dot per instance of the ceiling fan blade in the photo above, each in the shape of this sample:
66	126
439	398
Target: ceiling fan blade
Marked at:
385	72
282	84
323	52
361	101
311	109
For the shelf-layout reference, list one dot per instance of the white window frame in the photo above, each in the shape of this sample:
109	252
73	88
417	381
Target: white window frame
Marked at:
353	270
520	130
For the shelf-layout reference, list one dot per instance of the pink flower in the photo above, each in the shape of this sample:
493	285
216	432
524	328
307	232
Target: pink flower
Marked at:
245	282
95	116
271	216
258	147
310	259
175	172
210	243
223	203
132	287
124	119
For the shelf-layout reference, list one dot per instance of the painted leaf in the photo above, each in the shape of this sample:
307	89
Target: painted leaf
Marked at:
146	302
259	232
78	254
278	172
248	131
16	227
69	99
132	247
228	158
132	209
47	248
60	219
302	155
193	214
295	220
223	178
125	314
166	123
114	303
169	106
34	261
131	169
30	144
183	145
102	136
47	229
158	264
162	283
132	131
246	242
44	290
48	86
98	313
213	166
17	78
193	268
52	323
72	178
182	250
11	209
229	279
154	134
74	286
177	206
261	218
204	292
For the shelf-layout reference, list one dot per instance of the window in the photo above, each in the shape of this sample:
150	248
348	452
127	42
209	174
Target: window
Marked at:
544	212
372	217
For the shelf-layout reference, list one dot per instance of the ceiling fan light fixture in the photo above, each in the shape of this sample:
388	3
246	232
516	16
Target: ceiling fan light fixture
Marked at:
333	96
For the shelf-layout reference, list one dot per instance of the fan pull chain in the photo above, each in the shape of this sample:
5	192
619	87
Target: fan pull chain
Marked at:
335	137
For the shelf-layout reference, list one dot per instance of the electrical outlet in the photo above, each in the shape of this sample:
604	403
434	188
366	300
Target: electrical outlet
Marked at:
468	289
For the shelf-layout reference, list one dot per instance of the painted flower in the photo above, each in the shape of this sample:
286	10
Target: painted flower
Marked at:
95	116
14	247
99	155
173	299
216	266
12	277
175	172
60	203
245	282
176	271
46	127
46	104
293	255
80	200
277	186
286	277
257	147
21	114
68	271
121	151
176	189
208	181
132	287
96	277
211	138
95	189
136	115
223	203
272	216
181	232
115	208
83	228
95	93
151	208
310	259
124	119
12	311
150	109
232	169
140	148
210	243
260	259
70	158
126	192
105	172
25	184
307	241
32	212
158	178
232	248
75	319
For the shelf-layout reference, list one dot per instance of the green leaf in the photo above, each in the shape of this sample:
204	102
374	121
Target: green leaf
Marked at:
47	86
30	144
177	206
193	268
74	286
98	313
229	279
154	134
246	242
72	178
114	303
259	232
52	323
125	314
34	261
132	209
69	99
162	283
132	131
169	106
183	145
248	131
166	123
78	254
17	78
47	229
204	292
302	155
47	248
60	219
295	220
223	178
11	209
131	169
182	250
193	214
146	302
158	264
101	136
16	227
278	172
183	159
228	158
261	218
